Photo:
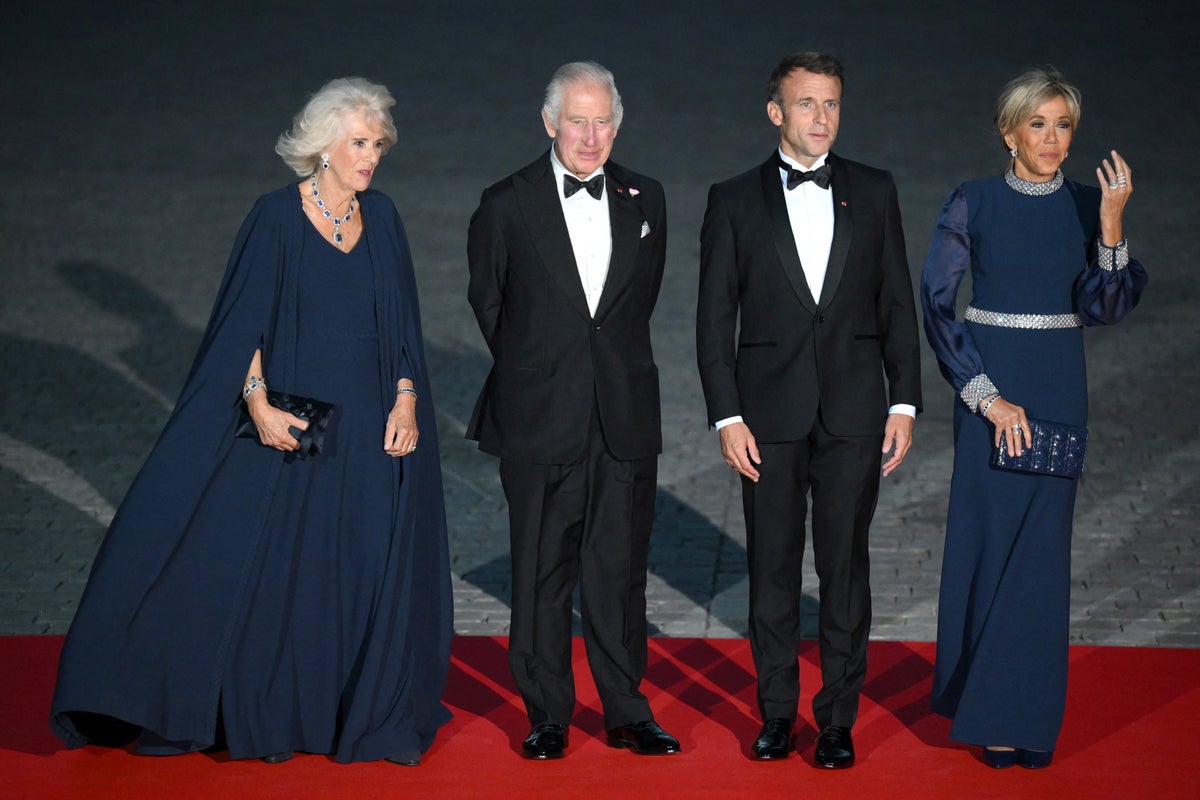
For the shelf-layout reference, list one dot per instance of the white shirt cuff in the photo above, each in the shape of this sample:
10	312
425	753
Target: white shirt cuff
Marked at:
904	408
721	423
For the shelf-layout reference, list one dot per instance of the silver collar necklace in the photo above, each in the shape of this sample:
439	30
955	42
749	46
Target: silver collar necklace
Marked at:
337	221
1030	187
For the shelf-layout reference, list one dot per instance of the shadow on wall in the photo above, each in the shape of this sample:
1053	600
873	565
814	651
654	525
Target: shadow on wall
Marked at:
98	413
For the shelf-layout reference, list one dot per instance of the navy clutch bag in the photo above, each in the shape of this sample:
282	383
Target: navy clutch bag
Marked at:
1057	450
317	414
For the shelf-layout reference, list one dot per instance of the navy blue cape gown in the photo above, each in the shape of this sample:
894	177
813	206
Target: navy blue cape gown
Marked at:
1004	606
306	601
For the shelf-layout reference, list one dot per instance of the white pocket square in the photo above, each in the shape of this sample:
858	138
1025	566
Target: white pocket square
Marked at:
645	230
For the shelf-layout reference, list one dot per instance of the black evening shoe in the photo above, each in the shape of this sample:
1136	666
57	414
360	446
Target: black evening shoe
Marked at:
546	740
999	759
644	738
774	740
277	758
1034	759
835	748
406	759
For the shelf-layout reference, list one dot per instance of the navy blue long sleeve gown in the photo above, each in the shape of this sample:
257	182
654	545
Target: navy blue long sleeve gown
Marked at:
303	603
1003	611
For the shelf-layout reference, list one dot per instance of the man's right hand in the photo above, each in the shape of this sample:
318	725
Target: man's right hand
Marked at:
740	450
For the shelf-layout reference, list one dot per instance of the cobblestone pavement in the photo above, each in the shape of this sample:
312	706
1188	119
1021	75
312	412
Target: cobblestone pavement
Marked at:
132	157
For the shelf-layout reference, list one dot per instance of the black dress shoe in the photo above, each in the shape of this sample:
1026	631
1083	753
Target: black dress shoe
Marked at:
644	738
999	758
277	758
1034	759
546	740
774	740
835	748
406	759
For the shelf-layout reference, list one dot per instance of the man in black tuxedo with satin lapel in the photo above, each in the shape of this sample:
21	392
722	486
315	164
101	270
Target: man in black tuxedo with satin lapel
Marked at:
819	381
566	259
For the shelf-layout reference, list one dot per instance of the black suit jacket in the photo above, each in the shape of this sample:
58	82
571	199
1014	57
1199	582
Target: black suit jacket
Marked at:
552	361
794	353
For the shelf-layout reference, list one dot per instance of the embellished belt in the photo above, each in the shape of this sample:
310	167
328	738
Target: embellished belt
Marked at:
1030	321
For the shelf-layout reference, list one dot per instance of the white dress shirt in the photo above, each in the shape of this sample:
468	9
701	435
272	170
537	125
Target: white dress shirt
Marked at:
590	231
810	212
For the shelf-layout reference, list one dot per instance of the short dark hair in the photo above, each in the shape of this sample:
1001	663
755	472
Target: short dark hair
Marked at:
818	63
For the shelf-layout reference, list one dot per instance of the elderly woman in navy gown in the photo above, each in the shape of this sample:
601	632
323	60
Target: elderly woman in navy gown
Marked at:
1047	257
248	597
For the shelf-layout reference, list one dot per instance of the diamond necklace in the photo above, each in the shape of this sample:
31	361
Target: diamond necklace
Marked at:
1034	188
337	221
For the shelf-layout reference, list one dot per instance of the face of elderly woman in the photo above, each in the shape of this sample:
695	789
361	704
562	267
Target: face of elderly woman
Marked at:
1041	141
354	156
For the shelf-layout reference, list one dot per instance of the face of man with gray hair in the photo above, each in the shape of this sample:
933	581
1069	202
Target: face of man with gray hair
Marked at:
584	131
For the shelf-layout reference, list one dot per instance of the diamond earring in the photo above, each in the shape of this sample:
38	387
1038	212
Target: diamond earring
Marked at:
325	160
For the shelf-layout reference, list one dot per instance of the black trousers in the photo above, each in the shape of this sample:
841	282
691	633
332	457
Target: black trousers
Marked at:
588	521
842	474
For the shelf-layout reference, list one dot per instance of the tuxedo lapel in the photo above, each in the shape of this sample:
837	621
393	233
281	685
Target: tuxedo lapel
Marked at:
542	211
843	229
781	233
625	221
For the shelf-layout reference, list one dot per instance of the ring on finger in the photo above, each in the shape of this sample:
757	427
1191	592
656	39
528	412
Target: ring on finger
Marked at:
1113	184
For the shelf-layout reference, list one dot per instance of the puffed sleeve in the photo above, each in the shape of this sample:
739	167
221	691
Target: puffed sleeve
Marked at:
1111	285
947	263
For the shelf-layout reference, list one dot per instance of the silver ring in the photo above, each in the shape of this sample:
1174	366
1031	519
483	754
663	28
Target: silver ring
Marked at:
1113	184
1120	176
1017	428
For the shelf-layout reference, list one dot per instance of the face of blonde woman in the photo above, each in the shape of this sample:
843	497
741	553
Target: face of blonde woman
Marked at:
1042	141
354	156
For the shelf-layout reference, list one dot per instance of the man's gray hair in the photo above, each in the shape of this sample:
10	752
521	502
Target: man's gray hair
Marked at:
573	74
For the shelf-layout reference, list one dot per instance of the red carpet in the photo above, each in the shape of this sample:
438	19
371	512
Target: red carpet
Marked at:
1133	727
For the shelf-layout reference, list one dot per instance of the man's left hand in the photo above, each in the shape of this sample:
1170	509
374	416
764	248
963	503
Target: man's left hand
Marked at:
897	437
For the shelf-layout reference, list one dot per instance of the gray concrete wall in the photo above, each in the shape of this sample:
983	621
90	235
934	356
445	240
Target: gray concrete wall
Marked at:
135	140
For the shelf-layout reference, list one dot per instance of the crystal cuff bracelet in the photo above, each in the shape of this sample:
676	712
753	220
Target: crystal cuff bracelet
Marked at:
1110	258
976	390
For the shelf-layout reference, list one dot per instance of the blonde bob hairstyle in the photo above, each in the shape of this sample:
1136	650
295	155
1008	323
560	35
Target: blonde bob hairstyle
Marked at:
320	122
1020	98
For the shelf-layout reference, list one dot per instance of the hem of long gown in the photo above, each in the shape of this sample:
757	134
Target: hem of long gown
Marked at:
78	729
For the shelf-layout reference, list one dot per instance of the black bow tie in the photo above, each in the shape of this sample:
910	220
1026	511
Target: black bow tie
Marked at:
820	176
595	185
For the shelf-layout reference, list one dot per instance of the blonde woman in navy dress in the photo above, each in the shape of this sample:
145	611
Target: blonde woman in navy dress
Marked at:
1048	257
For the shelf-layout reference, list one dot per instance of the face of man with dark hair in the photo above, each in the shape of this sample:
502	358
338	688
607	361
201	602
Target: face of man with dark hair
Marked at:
808	115
584	131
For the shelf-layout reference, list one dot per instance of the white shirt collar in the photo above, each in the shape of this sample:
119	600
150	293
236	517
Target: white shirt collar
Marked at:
797	165
560	170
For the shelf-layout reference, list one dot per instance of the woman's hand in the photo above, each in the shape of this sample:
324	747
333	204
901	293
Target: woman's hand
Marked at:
400	435
273	424
1011	424
1116	184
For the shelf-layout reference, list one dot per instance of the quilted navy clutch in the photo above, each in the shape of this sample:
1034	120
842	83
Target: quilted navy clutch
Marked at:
1057	450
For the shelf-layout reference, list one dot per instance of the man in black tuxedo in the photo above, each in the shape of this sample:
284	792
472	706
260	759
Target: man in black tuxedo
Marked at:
807	250
566	258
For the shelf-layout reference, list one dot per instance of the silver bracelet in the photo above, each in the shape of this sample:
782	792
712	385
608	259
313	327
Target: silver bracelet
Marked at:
977	390
1115	257
251	385
983	411
407	390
